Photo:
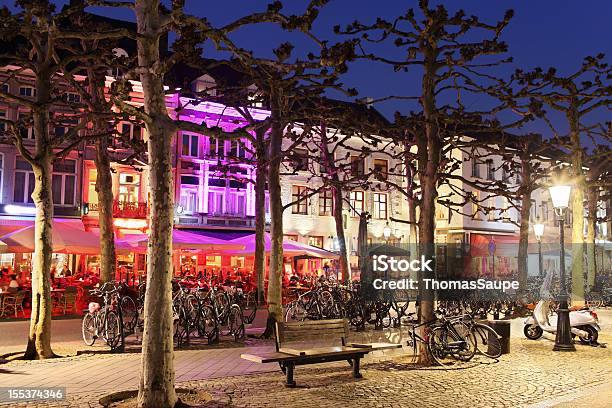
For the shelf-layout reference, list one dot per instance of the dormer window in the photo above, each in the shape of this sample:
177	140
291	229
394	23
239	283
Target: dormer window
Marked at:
27	91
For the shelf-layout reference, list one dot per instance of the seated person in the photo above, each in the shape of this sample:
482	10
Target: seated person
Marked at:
14	283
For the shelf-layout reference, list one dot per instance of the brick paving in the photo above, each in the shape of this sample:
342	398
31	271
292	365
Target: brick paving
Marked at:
532	375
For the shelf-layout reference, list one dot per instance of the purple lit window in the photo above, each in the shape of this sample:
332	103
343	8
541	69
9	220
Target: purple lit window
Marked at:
190	145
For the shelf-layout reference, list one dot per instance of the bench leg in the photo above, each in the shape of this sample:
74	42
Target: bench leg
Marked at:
356	373
289	371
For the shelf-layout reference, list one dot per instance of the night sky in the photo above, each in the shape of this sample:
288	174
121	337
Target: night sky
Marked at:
542	33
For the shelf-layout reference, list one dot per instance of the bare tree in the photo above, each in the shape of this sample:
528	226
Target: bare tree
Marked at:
445	48
41	48
575	96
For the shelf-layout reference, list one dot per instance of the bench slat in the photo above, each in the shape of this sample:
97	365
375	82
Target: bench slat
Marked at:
267	357
376	346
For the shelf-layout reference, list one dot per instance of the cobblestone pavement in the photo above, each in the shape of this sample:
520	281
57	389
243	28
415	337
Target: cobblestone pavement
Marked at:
532	375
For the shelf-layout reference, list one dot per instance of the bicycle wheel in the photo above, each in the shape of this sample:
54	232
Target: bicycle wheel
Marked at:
236	322
129	313
489	339
296	312
326	303
112	329
207	323
462	342
437	346
249	307
89	329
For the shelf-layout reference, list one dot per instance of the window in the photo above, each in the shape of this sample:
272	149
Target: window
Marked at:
476	205
300	203
381	168
323	166
504	175
24	182
236	205
190	145
326	202
356	200
63	182
133	131
441	211
129	187
357	166
291	237
505	213
215	202
25	127
237	149
300	160
380	206
491	208
2	117
27	91
490	170
189	199
545	211
475	168
72	97
5	88
216	148
315	241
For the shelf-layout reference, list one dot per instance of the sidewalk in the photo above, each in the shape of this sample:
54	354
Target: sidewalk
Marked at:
531	374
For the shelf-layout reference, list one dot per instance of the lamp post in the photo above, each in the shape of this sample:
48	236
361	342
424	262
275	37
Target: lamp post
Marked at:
538	230
563	341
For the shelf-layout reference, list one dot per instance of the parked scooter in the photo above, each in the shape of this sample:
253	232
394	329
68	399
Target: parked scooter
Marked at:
584	323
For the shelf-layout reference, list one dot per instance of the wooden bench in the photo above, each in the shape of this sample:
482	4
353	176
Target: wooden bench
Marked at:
321	330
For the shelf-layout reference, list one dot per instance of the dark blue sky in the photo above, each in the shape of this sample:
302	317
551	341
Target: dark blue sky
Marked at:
542	33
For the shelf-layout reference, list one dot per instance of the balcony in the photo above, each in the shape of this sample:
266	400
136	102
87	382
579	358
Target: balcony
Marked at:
217	220
125	209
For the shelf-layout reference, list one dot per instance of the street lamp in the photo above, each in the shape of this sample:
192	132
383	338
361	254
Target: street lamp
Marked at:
387	231
563	341
538	230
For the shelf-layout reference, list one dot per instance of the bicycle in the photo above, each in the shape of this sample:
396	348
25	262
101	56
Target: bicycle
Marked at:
103	321
444	339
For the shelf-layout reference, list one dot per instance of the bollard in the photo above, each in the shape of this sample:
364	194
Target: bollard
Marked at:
502	327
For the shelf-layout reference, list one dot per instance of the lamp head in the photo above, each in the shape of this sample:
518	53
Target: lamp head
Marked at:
538	230
387	231
560	195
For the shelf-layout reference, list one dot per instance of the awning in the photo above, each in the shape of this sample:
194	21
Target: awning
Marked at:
290	248
67	238
181	240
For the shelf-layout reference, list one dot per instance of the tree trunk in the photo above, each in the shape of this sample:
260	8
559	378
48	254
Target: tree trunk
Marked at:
260	215
590	238
339	222
104	188
275	307
577	205
104	180
338	203
39	339
524	240
156	388
429	162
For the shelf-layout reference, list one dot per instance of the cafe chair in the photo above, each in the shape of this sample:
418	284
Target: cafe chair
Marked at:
12	303
68	300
